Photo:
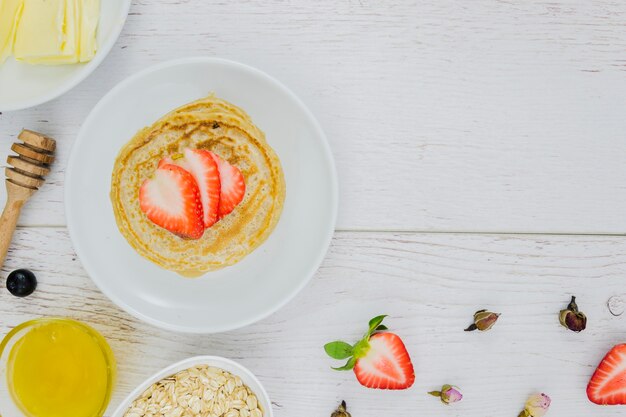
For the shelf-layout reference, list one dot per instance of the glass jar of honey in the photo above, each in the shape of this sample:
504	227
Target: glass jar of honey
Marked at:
55	367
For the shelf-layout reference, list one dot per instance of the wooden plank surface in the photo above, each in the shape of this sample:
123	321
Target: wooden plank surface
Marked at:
496	116
429	284
487	116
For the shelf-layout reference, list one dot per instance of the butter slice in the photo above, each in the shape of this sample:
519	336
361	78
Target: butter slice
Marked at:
40	33
10	11
71	39
49	32
71	31
89	12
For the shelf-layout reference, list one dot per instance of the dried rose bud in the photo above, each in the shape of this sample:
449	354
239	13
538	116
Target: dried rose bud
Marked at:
483	321
449	394
341	411
536	406
573	319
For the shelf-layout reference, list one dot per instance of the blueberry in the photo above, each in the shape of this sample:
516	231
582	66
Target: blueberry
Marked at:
21	282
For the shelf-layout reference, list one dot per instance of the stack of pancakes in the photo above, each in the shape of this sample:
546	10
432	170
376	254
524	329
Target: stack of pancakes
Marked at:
220	127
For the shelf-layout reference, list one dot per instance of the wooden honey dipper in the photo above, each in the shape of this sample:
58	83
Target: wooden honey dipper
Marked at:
24	176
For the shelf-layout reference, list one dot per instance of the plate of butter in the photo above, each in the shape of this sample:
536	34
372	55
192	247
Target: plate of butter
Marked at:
49	46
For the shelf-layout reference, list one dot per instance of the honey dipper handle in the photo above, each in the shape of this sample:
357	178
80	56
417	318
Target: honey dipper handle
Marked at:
8	221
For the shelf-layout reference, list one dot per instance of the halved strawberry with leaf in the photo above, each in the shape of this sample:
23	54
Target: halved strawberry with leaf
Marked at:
171	200
201	165
608	383
379	360
233	186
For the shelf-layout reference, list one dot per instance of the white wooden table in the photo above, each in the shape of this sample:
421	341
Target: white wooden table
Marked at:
481	153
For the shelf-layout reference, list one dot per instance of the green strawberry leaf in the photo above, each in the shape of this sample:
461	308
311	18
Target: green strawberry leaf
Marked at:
361	348
374	323
338	350
381	328
348	366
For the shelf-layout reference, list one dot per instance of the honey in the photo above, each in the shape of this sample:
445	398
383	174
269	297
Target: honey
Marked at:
60	368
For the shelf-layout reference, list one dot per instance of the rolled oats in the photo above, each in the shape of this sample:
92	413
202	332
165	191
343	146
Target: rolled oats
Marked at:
201	391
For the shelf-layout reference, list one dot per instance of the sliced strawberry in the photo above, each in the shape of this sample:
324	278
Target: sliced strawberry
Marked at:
608	383
386	365
379	360
233	186
171	200
201	165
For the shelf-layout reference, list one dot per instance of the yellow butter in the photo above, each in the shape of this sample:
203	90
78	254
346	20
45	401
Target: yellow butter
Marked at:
71	29
89	17
10	11
70	32
40	29
56	32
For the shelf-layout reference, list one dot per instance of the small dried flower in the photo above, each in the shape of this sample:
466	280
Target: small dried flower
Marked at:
483	321
449	394
341	411
571	318
536	406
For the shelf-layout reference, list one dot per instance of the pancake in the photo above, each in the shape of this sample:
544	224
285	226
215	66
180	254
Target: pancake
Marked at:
220	127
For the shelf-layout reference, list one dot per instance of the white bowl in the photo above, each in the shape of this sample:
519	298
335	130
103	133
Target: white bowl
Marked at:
262	282
23	85
234	368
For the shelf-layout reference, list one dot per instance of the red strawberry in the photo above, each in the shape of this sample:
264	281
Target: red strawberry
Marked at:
233	186
387	365
379	360
608	383
200	164
171	200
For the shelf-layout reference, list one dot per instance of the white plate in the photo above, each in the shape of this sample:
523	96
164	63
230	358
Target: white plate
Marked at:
23	85
262	282
233	367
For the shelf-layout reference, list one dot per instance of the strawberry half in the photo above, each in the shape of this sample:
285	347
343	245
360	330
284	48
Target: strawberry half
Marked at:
233	186
201	165
171	200
608	383
379	360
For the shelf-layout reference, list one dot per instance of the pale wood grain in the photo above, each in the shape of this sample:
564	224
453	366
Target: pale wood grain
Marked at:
429	284
17	195
443	115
